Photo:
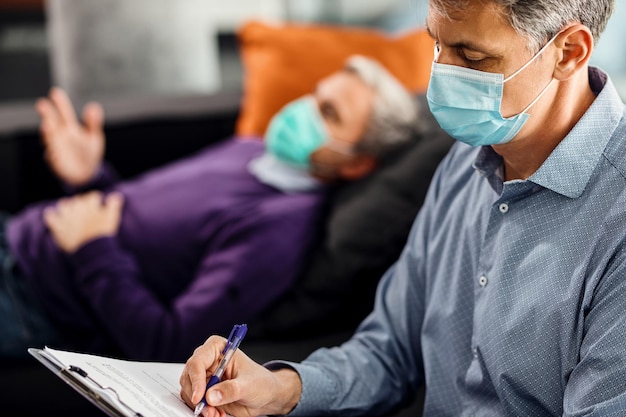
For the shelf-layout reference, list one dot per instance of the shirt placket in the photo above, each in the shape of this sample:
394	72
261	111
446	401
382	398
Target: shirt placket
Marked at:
477	383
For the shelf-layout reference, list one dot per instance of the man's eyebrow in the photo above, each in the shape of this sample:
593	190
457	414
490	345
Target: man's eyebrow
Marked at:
463	44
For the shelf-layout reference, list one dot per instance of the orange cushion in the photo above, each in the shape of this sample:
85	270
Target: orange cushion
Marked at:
284	62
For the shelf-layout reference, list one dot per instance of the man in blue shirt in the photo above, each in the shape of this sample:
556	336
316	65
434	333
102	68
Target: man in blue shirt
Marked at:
509	298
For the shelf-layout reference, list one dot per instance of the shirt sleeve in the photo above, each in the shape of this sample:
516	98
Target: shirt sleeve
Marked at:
379	368
238	276
596	385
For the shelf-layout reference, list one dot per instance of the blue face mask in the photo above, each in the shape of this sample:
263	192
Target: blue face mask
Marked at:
296	131
467	102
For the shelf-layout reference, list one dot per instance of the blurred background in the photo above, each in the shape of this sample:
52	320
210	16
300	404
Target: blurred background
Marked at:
168	73
113	47
117	47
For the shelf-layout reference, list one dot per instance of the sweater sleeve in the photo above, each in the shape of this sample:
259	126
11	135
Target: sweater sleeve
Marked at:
105	177
244	268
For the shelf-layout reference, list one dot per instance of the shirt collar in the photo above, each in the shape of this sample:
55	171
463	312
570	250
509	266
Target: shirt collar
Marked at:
568	169
289	179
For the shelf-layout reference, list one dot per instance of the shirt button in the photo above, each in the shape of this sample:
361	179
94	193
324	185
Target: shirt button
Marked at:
482	281
504	207
475	352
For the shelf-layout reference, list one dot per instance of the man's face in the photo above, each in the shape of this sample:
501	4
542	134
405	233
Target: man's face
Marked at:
346	105
480	38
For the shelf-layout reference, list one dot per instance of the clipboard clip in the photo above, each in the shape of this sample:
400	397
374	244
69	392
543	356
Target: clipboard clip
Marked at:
79	371
103	391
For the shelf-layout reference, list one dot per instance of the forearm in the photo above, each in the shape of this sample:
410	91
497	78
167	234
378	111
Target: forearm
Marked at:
111	280
143	326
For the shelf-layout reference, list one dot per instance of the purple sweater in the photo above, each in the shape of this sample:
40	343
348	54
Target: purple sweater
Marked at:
202	245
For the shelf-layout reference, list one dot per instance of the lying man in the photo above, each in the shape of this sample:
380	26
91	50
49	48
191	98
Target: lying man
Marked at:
146	268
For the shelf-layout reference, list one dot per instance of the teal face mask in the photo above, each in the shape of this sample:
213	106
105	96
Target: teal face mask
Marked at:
466	103
296	132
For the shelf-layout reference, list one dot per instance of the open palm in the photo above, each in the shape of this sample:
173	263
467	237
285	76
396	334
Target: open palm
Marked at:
74	150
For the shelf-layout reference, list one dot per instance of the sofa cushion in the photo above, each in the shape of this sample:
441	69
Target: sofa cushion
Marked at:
284	62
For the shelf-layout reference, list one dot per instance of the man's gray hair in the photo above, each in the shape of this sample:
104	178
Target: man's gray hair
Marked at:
394	116
540	20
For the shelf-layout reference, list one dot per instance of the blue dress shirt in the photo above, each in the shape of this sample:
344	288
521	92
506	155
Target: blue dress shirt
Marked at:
509	298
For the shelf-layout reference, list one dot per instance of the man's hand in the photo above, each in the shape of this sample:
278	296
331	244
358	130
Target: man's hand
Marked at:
74	151
247	388
77	220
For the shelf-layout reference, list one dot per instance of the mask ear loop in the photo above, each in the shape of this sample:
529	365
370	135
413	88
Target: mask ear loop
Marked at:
532	59
436	53
532	103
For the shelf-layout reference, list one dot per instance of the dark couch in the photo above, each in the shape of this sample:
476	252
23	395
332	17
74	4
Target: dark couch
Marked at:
365	231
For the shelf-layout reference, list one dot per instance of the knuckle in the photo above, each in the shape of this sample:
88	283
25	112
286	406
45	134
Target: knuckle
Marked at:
197	351
215	339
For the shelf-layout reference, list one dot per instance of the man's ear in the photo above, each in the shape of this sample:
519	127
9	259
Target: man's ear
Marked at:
358	167
575	45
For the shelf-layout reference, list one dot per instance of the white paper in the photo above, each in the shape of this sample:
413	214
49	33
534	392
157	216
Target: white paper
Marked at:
148	388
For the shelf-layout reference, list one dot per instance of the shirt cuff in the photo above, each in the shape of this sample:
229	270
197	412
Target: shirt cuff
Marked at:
317	389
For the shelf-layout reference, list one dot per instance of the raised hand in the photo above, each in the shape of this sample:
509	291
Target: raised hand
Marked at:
74	150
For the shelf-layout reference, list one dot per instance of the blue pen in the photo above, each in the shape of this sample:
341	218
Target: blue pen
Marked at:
235	338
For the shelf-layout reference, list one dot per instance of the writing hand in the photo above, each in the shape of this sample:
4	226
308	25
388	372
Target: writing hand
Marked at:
246	389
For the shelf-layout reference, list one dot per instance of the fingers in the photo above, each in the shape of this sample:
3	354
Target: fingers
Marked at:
204	359
67	204
51	218
215	412
55	112
49	118
225	392
111	204
197	379
63	105
114	202
185	397
93	116
91	198
112	207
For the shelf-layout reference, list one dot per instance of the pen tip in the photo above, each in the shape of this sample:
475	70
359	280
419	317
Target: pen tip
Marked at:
198	409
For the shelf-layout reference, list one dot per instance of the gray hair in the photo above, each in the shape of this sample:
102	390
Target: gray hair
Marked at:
540	20
395	112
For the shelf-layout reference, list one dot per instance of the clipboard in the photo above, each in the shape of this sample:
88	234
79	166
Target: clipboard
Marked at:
105	398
